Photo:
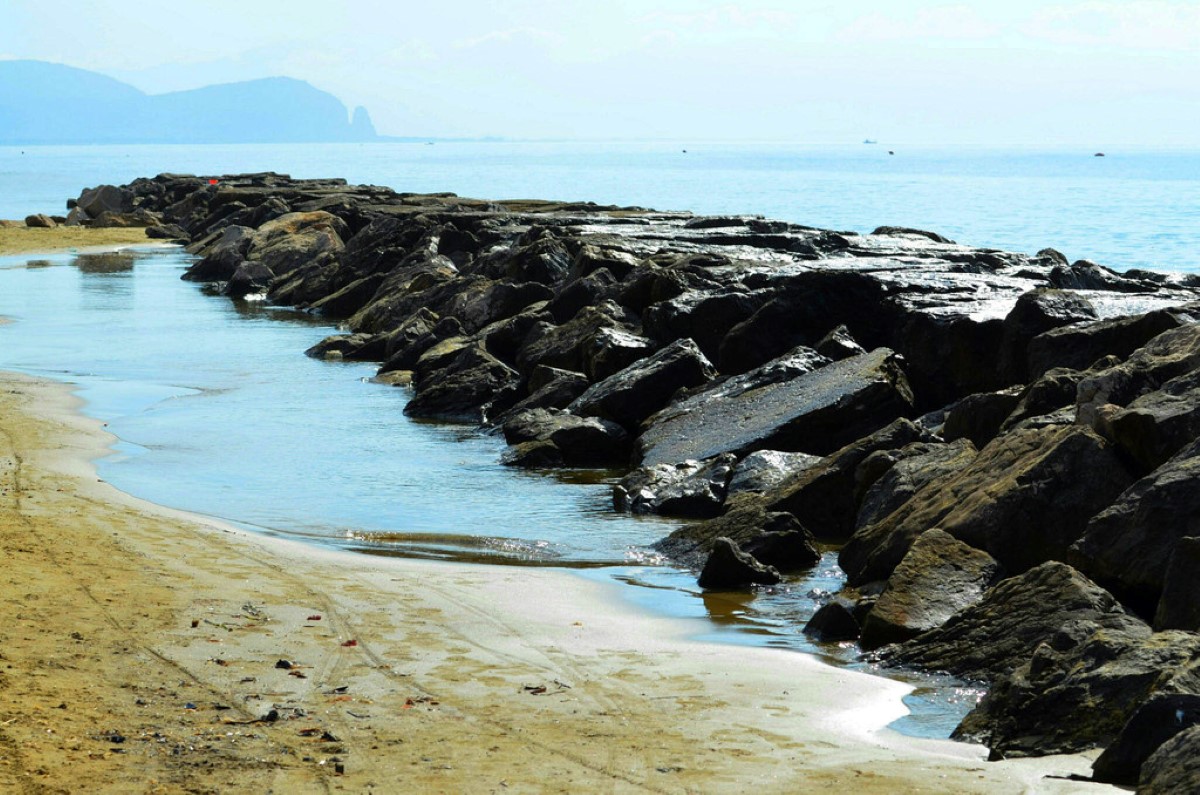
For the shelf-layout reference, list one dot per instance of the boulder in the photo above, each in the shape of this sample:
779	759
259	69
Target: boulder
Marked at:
1036	312
1079	688
729	568
350	347
163	232
999	634
765	469
1129	545
833	621
1179	605
786	550
249	278
825	496
938	577
296	239
816	412
979	417
1156	721
689	488
1085	275
889	478
416	334
137	218
579	441
691	544
1052	391
611	350
40	221
839	344
471	387
1024	499
1077	346
222	256
633	394
1157	425
104	198
550	388
1168	356
572	296
77	217
563	346
1174	768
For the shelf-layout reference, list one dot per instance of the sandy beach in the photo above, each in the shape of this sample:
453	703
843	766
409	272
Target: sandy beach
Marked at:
35	240
147	650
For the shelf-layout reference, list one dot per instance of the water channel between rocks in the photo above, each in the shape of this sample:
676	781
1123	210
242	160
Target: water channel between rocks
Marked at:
217	412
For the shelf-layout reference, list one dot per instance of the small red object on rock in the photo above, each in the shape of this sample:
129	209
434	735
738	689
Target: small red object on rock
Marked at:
350	643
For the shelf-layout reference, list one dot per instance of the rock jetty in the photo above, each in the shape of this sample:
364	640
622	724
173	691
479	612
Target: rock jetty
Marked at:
1004	446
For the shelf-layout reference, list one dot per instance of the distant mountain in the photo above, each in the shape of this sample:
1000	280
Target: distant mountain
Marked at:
45	103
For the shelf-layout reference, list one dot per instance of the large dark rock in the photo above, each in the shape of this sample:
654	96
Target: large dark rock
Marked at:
1168	356
792	545
1157	425
1052	391
729	568
999	634
816	412
832	622
564	346
1035	312
105	198
765	469
1174	768
1128	546
470	387
689	488
1079	688
979	417
611	350
1160	718
579	441
350	347
296	239
938	577
550	388
889	478
630	395
1179	605
825	496
222	256
1077	347
1024	499
250	277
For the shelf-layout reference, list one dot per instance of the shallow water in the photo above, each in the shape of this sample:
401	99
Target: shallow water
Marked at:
217	412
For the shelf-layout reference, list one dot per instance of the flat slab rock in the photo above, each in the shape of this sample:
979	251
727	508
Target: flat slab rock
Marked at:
816	412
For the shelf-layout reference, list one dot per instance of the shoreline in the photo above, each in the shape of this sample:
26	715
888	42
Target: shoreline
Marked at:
441	667
23	240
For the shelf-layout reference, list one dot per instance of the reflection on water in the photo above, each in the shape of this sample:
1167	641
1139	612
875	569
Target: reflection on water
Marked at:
105	263
218	412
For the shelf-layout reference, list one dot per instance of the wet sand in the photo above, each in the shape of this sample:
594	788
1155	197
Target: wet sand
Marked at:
27	240
147	650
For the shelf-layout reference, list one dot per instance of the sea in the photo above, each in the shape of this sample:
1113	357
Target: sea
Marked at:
215	410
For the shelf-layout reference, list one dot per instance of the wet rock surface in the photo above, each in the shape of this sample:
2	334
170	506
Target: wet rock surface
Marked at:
947	409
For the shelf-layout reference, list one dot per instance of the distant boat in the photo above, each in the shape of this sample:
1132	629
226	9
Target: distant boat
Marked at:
1098	154
870	141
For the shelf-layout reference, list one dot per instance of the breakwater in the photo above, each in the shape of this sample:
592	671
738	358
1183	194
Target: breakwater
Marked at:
997	439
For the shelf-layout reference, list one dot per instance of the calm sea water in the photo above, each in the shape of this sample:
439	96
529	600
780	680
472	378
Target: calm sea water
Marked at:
1129	209
218	412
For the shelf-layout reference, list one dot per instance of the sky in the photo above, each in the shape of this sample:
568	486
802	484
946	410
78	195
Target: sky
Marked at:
1002	72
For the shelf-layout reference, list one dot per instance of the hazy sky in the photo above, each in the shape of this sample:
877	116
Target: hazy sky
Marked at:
1090	72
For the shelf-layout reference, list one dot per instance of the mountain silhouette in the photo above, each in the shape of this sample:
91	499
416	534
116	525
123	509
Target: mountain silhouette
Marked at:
46	103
